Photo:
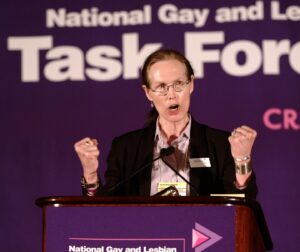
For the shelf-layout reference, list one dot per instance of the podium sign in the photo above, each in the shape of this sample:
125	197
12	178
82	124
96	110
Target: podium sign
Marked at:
122	225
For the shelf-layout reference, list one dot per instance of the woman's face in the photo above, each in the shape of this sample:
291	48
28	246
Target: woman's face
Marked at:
174	106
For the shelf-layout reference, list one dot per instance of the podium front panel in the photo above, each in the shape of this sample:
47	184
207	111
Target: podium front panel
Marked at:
128	228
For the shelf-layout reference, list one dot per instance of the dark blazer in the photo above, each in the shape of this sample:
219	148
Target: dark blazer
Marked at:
134	150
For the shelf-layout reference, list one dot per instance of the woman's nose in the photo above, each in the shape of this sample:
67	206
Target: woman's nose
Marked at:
171	92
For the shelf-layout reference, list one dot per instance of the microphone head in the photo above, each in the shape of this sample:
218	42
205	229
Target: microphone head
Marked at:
164	152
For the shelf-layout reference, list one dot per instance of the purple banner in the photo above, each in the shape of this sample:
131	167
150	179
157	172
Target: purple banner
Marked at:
70	69
147	229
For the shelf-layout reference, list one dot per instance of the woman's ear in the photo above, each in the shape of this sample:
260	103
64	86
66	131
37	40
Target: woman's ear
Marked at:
147	93
192	84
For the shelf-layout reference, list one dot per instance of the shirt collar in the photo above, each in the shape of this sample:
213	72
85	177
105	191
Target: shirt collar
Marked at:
185	134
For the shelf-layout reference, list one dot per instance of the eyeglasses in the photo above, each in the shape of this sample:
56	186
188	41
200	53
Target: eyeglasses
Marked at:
163	88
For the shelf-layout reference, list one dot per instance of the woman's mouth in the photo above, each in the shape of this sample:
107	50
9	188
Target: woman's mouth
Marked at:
174	107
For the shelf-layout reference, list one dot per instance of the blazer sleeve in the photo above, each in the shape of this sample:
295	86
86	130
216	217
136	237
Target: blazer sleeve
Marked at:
128	155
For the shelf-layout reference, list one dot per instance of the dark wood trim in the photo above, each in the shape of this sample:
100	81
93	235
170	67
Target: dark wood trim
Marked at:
84	200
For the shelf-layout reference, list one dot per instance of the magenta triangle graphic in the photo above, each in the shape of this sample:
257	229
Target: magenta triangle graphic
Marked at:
203	238
198	238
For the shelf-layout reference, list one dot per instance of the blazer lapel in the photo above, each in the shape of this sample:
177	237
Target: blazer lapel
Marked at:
199	177
144	158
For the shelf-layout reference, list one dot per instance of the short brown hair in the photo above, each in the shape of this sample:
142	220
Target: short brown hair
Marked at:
164	54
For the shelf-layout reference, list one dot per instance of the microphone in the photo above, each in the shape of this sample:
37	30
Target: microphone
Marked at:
177	173
163	153
169	191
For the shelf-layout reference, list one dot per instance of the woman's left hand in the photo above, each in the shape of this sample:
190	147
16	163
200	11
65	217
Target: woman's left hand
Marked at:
241	141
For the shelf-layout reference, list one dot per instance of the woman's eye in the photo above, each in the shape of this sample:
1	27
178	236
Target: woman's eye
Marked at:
161	86
178	83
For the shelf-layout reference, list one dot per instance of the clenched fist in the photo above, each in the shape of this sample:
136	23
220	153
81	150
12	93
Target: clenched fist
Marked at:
88	153
241	141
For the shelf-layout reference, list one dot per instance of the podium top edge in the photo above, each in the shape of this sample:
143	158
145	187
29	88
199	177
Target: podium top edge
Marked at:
138	200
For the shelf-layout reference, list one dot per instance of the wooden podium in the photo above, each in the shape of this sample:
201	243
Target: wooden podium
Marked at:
153	224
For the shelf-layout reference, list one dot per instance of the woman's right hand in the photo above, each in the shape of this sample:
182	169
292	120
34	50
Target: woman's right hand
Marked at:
88	153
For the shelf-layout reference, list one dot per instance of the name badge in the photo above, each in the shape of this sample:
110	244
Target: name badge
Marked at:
200	162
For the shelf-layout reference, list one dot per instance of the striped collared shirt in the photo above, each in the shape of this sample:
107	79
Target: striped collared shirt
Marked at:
178	160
